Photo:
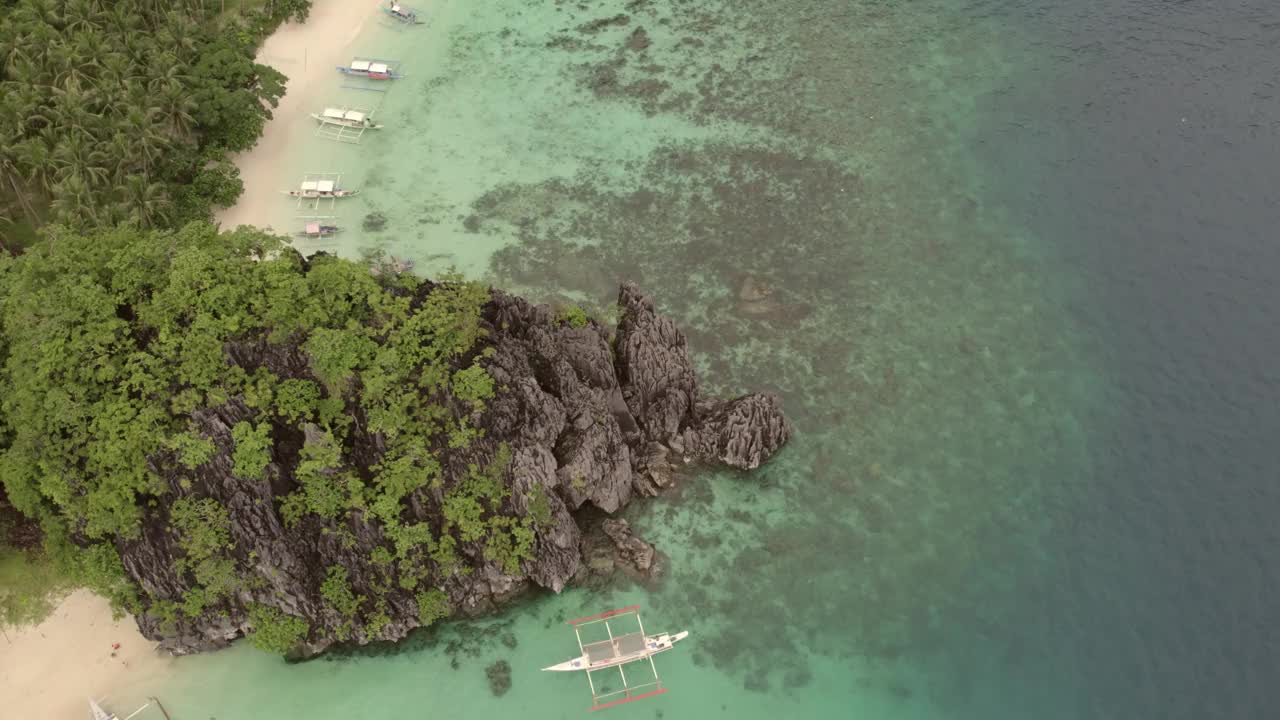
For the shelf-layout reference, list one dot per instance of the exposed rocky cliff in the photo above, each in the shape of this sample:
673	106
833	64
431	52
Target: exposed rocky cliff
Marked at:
588	420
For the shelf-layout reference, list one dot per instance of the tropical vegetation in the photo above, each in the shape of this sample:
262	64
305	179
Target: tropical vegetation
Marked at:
119	303
126	110
111	341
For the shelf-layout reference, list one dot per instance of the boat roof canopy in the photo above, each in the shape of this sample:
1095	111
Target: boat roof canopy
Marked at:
309	185
617	647
378	67
324	185
359	64
333	113
313	228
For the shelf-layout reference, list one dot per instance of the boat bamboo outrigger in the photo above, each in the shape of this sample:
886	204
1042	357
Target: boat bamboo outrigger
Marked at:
615	651
317	188
97	713
402	13
373	68
345	124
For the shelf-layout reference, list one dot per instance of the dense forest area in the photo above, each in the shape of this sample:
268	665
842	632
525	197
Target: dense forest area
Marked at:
118	112
113	342
121	309
126	110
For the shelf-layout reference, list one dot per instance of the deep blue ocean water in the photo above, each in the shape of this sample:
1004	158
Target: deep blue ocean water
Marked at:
1141	139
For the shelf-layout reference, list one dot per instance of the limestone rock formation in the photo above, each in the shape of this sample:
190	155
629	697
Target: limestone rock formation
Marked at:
590	422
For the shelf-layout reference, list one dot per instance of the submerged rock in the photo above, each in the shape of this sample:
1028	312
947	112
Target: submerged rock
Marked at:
611	551
636	553
595	26
499	675
638	40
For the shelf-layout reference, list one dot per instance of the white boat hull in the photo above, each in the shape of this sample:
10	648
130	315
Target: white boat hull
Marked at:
97	713
345	123
308	195
654	644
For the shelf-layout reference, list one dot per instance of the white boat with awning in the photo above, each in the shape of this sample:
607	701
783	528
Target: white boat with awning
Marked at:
345	124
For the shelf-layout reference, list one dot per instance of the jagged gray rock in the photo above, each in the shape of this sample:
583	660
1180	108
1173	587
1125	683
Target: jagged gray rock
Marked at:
661	389
635	552
590	424
609	547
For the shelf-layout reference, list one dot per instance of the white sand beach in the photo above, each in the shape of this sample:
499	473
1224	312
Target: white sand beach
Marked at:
306	53
48	671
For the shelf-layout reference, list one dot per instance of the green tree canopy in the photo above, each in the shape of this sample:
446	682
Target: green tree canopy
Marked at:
125	110
115	343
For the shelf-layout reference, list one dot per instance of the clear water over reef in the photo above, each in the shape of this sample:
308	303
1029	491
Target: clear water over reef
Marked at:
855	205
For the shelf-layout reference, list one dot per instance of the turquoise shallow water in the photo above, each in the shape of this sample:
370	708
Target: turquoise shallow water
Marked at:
809	190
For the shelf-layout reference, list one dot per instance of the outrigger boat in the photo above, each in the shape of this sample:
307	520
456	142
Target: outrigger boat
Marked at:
316	188
320	189
373	68
347	117
318	230
615	651
345	124
97	713
403	13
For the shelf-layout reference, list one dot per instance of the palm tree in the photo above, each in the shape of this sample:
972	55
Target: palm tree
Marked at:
75	156
71	109
68	67
146	203
91	48
82	15
179	37
39	38
176	107
167	72
31	157
73	203
122	20
33	13
11	178
21	102
122	147
148	142
116	72
12	48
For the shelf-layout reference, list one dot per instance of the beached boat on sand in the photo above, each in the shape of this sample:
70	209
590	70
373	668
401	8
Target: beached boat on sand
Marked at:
373	69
